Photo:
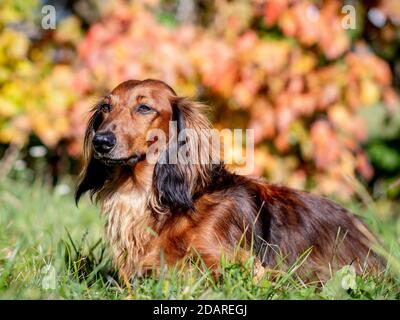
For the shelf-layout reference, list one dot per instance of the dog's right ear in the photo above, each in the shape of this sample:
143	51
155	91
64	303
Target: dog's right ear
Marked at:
93	177
94	173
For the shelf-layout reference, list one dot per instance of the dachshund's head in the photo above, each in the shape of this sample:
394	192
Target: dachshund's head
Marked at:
124	119
120	134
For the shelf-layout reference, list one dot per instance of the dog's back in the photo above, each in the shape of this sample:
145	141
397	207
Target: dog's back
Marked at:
285	225
282	226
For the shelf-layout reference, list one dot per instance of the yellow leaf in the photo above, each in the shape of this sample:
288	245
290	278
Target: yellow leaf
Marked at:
370	92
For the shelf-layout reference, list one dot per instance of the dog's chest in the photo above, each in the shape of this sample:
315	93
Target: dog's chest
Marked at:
127	227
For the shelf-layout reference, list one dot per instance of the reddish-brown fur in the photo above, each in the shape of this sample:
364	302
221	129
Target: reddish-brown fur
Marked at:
178	211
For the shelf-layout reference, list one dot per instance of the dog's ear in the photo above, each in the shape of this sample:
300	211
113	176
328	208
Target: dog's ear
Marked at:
94	173
176	182
93	177
171	179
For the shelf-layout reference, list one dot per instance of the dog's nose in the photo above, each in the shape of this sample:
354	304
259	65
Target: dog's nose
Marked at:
103	142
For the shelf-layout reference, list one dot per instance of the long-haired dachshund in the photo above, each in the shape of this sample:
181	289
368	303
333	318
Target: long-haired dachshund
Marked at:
162	212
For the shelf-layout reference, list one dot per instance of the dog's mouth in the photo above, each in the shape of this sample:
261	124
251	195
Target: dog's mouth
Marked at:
112	162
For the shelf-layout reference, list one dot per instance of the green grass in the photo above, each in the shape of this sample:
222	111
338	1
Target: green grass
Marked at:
50	249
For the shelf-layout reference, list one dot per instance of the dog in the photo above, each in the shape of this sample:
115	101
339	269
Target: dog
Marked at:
160	212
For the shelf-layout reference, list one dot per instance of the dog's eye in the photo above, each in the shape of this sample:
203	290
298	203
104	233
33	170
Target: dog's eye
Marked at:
105	107
143	109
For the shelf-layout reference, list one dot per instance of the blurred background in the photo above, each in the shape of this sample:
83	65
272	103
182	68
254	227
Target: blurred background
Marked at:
318	81
321	96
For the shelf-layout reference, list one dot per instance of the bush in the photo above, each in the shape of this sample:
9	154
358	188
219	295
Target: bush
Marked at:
287	69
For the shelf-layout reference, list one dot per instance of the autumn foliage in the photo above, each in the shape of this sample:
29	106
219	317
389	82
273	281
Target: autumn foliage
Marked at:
287	69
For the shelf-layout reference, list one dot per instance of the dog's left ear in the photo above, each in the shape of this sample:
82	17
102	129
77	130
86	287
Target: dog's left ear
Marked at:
176	183
172	180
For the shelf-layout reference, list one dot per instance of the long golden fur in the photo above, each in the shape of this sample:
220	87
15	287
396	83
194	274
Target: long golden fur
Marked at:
175	210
